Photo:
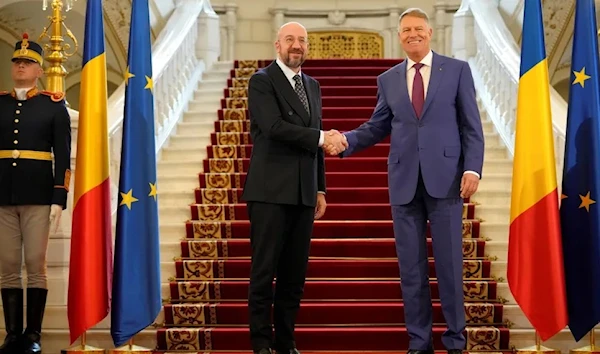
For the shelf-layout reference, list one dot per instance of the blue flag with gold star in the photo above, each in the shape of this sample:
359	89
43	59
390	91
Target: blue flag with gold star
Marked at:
136	296
580	216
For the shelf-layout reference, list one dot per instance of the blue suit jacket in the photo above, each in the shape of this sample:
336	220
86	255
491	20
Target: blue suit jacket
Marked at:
444	143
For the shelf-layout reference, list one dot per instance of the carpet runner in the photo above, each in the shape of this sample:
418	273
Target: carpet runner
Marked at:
353	299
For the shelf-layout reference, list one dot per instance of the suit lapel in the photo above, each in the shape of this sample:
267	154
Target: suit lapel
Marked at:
404	97
434	81
287	91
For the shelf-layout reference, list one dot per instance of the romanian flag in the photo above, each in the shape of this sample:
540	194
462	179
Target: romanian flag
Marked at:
137	296
580	215
535	257
91	240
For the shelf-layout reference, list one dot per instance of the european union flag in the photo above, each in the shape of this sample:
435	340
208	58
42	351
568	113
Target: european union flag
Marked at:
580	215
136	297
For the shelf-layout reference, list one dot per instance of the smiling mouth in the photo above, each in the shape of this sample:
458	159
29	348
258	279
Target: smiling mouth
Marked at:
416	41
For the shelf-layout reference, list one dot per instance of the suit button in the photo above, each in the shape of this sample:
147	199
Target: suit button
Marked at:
16	131
16	121
14	164
16	142
18	112
19	104
290	113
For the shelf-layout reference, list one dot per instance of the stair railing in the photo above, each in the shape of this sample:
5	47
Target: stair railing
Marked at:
481	37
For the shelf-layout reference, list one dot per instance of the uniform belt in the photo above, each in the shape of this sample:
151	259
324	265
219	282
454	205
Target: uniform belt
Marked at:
26	154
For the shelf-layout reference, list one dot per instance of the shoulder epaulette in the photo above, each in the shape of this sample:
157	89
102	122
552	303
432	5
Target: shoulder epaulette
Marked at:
4	93
54	96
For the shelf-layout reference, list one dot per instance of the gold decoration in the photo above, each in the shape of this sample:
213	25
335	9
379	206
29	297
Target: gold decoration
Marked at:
215	196
224	152
479	313
234	114
245	73
234	126
211	212
345	45
229	139
205	249
56	50
238	92
472	269
236	103
483	338
476	290
210	229
218	180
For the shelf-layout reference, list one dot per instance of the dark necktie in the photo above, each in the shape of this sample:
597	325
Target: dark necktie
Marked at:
418	92
299	88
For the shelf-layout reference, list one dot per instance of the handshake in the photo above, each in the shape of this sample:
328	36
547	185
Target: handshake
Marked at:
334	142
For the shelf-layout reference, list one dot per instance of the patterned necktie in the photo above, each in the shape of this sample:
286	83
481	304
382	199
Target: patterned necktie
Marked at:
299	88
418	92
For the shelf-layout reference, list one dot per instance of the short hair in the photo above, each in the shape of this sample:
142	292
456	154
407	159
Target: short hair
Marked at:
414	12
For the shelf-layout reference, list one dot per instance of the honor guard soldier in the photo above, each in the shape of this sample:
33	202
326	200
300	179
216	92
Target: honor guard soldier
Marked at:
35	131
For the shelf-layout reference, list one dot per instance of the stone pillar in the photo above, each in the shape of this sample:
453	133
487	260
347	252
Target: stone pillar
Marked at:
393	17
231	15
209	36
440	26
463	38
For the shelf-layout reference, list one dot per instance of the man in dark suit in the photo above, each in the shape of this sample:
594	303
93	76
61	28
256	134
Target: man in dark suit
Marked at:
35	131
285	187
427	103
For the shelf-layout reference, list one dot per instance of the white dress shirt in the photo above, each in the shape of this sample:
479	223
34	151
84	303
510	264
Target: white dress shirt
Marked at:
426	75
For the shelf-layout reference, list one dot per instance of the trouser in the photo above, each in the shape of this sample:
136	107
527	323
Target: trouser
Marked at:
24	231
280	240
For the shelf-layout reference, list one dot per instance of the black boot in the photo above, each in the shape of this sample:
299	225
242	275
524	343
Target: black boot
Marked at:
12	302
36	304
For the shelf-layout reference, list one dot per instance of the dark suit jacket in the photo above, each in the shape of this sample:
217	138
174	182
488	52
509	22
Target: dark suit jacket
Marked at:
40	123
286	166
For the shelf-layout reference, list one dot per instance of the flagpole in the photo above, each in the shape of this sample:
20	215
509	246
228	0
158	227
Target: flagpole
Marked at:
82	347
537	348
130	348
588	349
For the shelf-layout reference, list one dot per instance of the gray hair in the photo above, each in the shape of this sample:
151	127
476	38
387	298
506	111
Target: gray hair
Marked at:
414	12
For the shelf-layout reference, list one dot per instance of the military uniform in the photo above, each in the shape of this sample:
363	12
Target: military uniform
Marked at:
35	131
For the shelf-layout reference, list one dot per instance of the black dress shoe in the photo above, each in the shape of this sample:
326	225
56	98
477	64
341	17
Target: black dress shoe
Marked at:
263	351
288	351
455	351
415	351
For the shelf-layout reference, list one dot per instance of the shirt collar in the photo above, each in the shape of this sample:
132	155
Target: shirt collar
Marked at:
427	60
289	73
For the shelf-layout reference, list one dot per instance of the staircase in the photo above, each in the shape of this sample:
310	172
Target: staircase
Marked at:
353	299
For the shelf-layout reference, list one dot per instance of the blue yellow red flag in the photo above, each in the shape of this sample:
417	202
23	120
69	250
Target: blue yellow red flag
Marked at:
90	267
535	258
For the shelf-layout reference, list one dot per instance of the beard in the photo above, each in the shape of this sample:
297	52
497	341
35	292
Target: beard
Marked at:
294	62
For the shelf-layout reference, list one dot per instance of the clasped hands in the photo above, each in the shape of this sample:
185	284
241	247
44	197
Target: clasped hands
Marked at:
334	142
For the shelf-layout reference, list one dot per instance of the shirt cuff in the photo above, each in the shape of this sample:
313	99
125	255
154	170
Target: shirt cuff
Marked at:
321	138
320	192
474	173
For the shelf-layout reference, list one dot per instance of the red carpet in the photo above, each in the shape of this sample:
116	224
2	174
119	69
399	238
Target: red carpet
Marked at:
353	299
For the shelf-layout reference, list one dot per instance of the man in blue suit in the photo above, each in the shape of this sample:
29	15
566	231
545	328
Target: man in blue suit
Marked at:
427	103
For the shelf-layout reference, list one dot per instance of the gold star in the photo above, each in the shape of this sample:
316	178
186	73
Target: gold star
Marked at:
149	83
586	201
128	75
562	196
153	191
128	199
580	77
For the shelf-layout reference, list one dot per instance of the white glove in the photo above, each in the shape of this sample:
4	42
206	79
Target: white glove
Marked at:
55	213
